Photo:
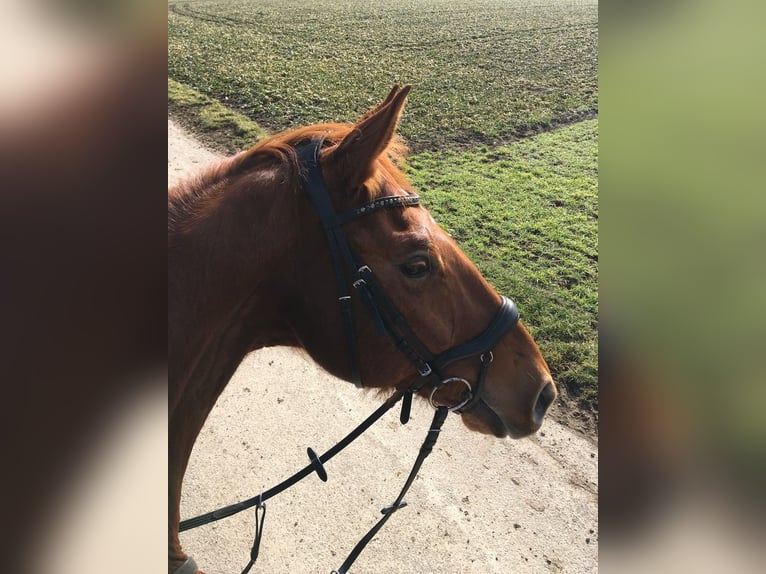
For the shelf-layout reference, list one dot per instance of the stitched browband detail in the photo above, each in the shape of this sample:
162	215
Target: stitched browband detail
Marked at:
380	203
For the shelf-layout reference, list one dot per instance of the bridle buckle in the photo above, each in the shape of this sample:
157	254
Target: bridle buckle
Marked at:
361	282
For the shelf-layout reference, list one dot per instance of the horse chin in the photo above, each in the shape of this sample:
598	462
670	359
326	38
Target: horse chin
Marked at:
483	419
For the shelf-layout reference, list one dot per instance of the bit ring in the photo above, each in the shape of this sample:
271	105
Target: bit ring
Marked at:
458	406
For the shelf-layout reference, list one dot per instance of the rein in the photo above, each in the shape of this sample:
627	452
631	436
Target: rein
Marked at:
389	321
316	465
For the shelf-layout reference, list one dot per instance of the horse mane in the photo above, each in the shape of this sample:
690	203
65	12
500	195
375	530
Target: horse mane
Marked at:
187	199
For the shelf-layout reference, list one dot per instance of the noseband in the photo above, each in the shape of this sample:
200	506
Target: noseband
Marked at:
387	318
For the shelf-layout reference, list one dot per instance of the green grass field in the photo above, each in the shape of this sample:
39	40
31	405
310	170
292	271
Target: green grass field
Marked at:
527	215
216	125
485	70
505	152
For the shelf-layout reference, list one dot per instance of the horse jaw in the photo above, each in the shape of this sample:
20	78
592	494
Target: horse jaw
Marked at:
484	420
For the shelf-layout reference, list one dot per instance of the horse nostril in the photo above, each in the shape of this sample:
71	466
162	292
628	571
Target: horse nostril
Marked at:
544	400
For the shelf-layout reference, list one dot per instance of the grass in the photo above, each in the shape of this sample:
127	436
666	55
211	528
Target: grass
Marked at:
219	127
488	71
527	215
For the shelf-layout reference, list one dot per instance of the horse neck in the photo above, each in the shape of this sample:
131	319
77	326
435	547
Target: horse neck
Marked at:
226	259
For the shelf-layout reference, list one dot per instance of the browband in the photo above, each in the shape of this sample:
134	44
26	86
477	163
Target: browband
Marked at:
380	203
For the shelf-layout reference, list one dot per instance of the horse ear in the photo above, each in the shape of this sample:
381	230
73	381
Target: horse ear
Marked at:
354	158
383	104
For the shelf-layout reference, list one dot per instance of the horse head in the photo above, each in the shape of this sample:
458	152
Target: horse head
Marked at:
438	292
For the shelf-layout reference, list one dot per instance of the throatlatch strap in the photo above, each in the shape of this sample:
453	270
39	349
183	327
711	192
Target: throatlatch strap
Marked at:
428	444
386	317
314	185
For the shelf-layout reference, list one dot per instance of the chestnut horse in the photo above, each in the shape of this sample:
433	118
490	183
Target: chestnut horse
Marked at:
249	267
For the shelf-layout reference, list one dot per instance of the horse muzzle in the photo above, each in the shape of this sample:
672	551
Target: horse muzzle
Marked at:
544	401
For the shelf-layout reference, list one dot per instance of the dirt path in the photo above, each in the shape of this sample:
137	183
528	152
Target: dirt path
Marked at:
480	505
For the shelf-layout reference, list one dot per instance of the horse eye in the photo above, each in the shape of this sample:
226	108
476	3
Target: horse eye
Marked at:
416	267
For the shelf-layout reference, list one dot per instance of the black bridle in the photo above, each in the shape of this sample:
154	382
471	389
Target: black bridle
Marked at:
389	321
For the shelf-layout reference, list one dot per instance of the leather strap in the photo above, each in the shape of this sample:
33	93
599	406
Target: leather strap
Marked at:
233	509
380	203
308	156
433	434
505	318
